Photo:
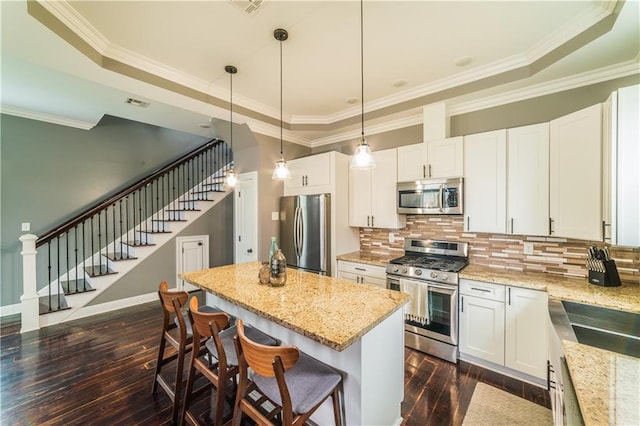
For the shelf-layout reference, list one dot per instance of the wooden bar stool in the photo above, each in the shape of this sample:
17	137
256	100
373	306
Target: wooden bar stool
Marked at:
292	380
178	334
213	335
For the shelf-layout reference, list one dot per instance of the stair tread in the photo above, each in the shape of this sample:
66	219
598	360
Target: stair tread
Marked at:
49	304
76	286
118	256
137	243
99	270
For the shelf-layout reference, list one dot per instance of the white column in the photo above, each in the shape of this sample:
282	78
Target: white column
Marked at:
29	299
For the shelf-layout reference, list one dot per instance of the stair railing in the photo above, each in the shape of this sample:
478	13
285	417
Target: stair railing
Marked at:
112	226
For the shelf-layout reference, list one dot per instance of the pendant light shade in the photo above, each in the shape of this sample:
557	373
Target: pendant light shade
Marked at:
362	157
230	178
281	171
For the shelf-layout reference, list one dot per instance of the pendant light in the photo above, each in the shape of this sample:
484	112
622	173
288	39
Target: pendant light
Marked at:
230	178
281	172
362	157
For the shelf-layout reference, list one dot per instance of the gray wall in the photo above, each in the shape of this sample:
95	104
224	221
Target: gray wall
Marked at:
50	173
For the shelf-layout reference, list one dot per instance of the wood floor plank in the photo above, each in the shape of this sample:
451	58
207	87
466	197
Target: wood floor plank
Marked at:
98	370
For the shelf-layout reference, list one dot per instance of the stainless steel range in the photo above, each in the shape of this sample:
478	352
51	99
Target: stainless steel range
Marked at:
429	273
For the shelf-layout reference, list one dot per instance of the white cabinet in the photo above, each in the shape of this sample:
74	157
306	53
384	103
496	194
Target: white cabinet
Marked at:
575	174
482	320
362	273
372	194
485	174
434	159
505	326
310	175
528	180
526	331
621	174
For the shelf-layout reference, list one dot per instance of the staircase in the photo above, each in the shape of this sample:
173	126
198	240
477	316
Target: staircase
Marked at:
85	256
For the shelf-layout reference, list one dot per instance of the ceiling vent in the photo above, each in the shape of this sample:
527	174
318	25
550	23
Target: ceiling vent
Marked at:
248	6
136	102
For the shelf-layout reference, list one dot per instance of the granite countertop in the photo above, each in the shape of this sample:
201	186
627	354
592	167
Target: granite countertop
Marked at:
331	311
368	259
606	384
625	297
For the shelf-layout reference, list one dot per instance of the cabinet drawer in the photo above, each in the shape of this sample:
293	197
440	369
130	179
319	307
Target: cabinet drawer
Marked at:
362	269
483	290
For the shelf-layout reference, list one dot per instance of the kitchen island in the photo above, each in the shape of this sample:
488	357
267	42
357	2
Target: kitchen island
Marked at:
356	328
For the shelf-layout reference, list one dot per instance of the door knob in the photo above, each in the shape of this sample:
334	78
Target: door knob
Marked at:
250	251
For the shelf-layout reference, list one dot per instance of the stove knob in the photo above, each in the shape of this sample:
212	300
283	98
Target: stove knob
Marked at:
396	269
404	270
434	275
445	277
418	272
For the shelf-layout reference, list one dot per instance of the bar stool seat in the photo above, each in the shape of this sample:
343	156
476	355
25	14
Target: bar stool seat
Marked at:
213	335
292	380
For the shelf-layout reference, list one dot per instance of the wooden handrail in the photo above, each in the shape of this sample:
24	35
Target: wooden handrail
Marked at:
110	200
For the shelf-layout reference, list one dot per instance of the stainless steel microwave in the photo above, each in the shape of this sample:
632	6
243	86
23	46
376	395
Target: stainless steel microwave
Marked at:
432	196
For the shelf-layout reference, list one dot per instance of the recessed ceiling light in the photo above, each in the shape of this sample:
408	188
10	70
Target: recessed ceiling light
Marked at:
464	61
352	100
399	83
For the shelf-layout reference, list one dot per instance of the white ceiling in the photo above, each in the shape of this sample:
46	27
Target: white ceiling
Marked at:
190	42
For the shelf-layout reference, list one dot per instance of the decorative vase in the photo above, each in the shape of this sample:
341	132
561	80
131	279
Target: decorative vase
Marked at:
278	269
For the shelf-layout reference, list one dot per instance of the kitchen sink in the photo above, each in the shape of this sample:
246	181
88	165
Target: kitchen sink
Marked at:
605	328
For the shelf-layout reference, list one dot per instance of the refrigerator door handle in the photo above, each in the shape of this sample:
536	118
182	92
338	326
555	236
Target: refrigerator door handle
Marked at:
300	233
295	229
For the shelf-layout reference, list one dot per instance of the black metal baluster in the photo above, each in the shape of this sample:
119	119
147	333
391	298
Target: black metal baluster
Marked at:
113	219
66	240
84	257
126	208
93	266
75	244
146	209
58	268
99	240
157	211
49	271
121	234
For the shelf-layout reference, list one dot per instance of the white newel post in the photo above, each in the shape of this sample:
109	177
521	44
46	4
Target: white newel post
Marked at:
29	300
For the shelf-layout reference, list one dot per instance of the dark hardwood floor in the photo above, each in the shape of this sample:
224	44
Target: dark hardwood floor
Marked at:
98	370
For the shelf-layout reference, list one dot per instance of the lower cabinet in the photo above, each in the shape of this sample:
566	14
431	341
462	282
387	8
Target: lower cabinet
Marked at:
362	273
505	326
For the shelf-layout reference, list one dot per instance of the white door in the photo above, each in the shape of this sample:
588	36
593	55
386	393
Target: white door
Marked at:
246	218
412	162
445	158
384	212
360	198
192	254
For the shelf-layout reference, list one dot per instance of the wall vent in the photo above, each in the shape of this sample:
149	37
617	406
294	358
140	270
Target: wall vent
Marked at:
248	6
136	102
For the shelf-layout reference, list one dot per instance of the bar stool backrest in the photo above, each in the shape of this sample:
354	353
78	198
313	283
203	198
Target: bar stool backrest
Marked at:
260	358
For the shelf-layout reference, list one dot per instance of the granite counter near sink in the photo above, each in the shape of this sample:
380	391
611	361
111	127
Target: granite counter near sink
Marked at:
369	259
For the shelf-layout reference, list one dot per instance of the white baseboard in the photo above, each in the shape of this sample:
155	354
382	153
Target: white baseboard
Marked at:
102	308
10	310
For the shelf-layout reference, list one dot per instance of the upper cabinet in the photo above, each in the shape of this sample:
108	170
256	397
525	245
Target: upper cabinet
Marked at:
621	174
310	175
528	180
372	194
485	174
433	159
575	175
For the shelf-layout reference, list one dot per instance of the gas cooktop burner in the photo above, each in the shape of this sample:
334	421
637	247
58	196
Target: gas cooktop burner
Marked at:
431	262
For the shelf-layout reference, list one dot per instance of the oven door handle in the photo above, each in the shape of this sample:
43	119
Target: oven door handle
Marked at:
443	289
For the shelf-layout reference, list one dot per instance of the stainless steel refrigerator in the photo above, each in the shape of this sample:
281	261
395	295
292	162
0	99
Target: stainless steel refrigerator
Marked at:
305	224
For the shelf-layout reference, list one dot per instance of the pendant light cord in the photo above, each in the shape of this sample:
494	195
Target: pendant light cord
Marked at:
231	110
281	99
362	64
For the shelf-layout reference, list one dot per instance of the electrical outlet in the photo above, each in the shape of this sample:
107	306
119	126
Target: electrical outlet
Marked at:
392	237
528	248
26	227
274	215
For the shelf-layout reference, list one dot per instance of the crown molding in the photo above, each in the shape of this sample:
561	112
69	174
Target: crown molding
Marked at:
567	83
386	126
47	118
274	132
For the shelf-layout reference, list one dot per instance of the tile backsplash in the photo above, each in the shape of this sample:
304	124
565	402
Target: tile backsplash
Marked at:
550	254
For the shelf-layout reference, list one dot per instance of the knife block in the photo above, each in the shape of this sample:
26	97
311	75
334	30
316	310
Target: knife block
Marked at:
608	278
